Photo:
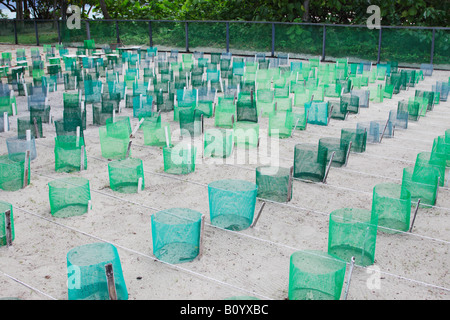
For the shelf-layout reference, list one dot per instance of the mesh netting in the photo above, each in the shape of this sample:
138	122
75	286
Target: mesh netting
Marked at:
340	147
127	175
424	161
68	154
310	162
274	183
376	130
5	206
353	233
339	109
18	145
318	112
40	112
218	143
391	203
315	275
232	203
428	96
69	196
12	168
281	124
24	124
423	188
358	137
155	133
179	159
246	134
176	234
352	102
114	139
190	122
86	272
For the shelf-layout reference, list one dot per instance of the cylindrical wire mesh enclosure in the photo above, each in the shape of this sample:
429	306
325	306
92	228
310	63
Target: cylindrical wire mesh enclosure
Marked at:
340	147
246	134
274	183
17	145
391	204
376	130
69	196
190	122
4	207
424	160
310	162
281	124
315	275
232	203
176	235
423	188
179	159
353	233
87	276
24	124
114	140
126	175
12	170
318	112
69	152
218	143
358	138
155	133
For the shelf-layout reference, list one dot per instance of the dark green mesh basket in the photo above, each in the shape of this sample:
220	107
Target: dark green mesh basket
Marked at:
274	183
69	196
68	154
310	162
176	235
391	203
5	206
232	203
12	168
24	124
340	147
126	175
87	279
315	275
353	233
358	138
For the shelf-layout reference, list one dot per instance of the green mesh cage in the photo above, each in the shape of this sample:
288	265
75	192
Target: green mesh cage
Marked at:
232	203
218	143
274	183
439	150
352	102
339	109
410	107
12	169
41	112
25	123
179	159
428	96
114	140
69	154
299	118
126	175
281	124
155	133
424	160
246	134
16	145
9	105
310	162
5	206
176	235
315	275
352	233
318	112
391	203
190	122
340	148
87	279
69	196
423	188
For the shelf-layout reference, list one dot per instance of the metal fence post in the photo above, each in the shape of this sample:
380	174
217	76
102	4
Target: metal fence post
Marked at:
88	31
228	36
379	46
36	31
273	40
186	29
117	32
59	31
15	32
324	41
150	33
432	45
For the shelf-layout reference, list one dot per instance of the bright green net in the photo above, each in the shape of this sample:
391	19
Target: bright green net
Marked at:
232	203
353	233
176	234
69	155
179	159
218	143
391	203
87	279
126	175
424	187
281	124
69	196
424	160
114	140
274	183
12	170
315	275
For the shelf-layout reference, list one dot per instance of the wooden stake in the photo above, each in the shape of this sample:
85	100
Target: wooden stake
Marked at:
384	130
82	159
328	167
352	263
25	172
110	280
129	149
258	215
348	152
36	129
414	217
290	181
8	228
202	233
136	128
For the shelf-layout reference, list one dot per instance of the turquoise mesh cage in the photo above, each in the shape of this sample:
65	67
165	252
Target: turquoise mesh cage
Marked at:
391	203
310	162
352	233
318	112
179	159
126	175
358	138
12	170
232	203
274	183
315	275
86	274
218	143
5	206
69	196
114	140
176	234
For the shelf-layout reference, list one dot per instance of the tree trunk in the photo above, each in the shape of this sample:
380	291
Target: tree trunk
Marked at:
19	10
306	17
104	9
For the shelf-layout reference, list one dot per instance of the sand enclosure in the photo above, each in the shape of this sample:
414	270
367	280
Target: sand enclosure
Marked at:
253	262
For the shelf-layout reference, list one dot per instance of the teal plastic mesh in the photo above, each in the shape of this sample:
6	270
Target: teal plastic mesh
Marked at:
68	154
125	174
69	196
87	279
310	162
179	159
176	235
12	168
232	203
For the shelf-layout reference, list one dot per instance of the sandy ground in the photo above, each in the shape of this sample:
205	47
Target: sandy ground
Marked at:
253	262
